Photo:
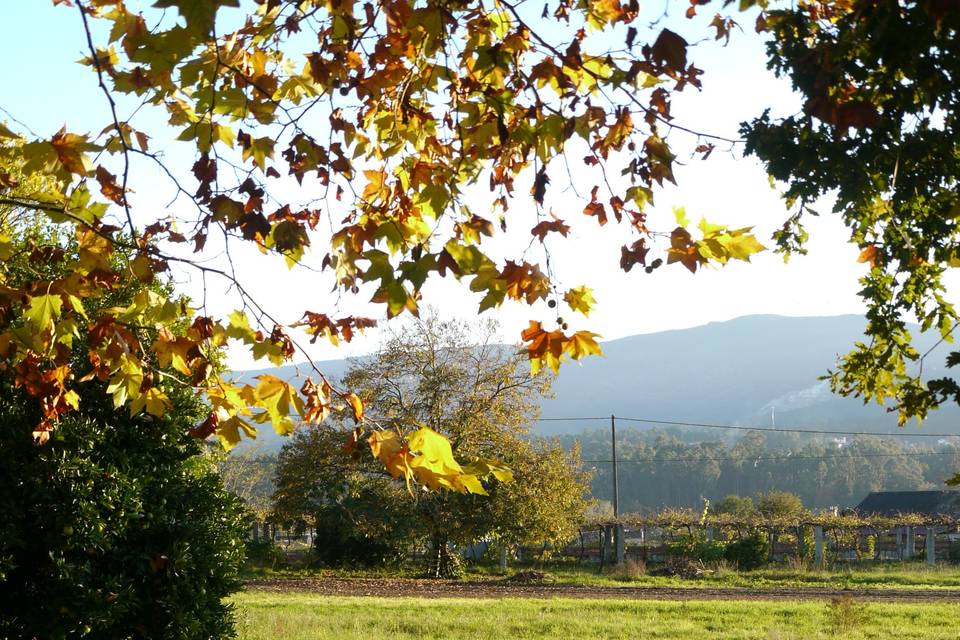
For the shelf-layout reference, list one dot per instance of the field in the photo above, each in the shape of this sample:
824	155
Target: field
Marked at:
894	575
306	616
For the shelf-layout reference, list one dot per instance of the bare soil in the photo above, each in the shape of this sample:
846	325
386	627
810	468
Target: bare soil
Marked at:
428	588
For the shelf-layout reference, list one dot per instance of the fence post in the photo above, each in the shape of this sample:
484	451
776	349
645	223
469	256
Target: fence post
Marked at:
502	565
911	544
255	532
620	543
818	546
931	545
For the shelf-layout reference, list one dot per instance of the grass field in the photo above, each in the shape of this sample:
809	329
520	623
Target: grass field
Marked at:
914	575
301	616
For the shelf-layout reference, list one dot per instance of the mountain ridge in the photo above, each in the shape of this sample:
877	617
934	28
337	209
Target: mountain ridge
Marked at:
753	370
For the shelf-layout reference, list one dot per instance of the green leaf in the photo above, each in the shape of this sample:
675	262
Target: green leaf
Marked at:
43	310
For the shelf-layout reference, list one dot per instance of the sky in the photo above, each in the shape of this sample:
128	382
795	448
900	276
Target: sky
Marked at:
45	89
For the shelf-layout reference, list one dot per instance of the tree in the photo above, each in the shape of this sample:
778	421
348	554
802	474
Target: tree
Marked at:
392	113
118	526
737	506
360	515
780	505
879	130
456	380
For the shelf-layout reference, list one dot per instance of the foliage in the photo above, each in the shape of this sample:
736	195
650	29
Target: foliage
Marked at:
390	113
749	553
247	474
696	546
118	526
668	469
263	552
736	506
358	515
451	379
775	505
877	132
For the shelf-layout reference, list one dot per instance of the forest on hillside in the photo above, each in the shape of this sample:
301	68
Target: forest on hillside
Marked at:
670	469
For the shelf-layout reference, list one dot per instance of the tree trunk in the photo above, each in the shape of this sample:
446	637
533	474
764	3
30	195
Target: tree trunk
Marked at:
442	562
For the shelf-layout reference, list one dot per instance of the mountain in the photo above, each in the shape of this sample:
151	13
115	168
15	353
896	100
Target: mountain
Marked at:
752	370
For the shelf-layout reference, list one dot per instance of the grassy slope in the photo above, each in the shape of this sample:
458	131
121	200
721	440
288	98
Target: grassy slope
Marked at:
298	616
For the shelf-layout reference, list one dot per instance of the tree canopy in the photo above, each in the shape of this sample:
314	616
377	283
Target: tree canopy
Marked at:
385	144
450	379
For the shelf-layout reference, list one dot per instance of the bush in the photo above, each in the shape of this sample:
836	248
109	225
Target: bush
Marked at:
696	547
264	553
339	542
116	528
748	553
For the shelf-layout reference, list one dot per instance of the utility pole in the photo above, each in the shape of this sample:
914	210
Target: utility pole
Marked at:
619	542
616	477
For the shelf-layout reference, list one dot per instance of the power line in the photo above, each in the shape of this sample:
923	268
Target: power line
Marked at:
852	456
707	425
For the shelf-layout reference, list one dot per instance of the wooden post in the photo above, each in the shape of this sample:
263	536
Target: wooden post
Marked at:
931	545
502	566
910	544
256	531
818	546
620	543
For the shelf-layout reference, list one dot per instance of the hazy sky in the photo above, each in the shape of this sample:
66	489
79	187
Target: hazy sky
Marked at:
44	88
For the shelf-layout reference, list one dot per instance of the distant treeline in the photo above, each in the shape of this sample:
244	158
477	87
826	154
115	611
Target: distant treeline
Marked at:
659	469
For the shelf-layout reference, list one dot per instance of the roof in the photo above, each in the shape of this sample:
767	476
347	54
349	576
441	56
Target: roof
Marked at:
891	503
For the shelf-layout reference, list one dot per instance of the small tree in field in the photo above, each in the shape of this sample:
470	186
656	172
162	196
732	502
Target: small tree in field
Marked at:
455	380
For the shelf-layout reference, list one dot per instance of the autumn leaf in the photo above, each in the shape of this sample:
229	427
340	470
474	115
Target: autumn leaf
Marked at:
153	400
108	186
278	399
580	299
356	404
556	225
43	310
870	255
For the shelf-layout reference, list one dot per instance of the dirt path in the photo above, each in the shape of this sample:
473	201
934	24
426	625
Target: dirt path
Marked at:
395	587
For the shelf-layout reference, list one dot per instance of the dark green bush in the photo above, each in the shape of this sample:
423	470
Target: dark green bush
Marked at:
748	553
264	553
339	542
116	528
696	547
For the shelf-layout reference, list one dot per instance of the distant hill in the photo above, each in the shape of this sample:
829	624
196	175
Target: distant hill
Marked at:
742	371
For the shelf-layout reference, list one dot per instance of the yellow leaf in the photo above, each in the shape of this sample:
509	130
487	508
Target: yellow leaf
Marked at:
357	405
580	299
393	453
153	400
582	343
277	398
228	431
43	310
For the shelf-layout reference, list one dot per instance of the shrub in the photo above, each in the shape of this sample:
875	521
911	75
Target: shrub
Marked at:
339	542
748	553
264	553
116	528
695	547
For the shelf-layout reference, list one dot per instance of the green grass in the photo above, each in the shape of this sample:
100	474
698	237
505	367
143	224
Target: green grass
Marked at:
892	575
300	616
882	576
